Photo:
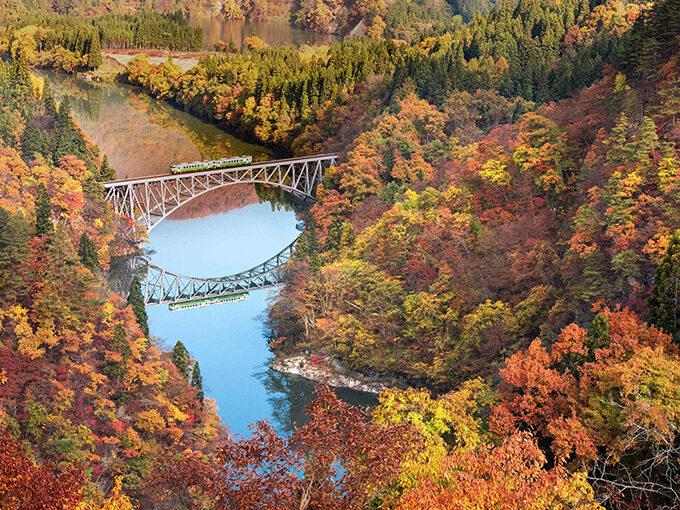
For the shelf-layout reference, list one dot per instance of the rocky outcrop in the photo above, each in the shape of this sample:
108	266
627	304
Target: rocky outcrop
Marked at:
328	371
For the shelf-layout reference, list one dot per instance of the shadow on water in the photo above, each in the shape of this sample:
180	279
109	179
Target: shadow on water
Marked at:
289	395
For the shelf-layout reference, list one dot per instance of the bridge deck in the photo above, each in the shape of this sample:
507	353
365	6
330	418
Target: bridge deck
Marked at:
254	166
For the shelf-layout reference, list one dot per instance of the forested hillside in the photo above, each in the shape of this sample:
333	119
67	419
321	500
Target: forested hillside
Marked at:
403	19
400	18
88	400
501	234
69	43
531	53
435	251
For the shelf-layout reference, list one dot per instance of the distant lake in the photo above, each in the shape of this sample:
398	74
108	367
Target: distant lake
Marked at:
274	33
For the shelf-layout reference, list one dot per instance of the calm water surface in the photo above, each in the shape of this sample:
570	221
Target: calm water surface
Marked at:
220	233
274	33
142	136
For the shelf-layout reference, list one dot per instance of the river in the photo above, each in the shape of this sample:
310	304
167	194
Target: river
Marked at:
220	233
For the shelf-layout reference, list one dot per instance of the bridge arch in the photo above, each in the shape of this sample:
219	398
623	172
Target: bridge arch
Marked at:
149	200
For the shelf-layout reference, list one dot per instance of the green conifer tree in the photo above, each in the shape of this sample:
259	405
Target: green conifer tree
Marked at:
664	300
21	76
15	234
197	381
334	239
647	141
31	141
120	342
617	142
106	173
47	99
180	357
43	213
68	139
136	300
598	334
121	346
348	234
307	248
87	253
94	56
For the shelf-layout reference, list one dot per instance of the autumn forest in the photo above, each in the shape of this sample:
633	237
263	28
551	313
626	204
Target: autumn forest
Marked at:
498	244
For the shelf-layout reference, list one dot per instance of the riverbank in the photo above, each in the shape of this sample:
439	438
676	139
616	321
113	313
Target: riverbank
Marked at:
330	371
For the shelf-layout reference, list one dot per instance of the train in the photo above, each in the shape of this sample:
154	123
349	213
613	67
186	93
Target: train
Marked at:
195	166
198	303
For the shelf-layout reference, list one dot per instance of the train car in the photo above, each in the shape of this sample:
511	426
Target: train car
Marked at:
196	166
199	303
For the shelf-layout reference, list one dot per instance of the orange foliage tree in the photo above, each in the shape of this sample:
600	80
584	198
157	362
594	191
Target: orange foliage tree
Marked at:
510	475
27	485
602	399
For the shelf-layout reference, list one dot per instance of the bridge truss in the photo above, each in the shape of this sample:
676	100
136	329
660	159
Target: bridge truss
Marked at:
149	200
163	287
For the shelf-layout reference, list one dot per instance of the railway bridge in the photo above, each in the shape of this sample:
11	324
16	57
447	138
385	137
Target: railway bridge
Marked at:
149	200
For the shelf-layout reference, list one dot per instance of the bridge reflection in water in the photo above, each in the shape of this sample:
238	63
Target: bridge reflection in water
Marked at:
163	287
150	200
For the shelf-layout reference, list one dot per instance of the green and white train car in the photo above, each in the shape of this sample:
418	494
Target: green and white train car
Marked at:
198	303
195	166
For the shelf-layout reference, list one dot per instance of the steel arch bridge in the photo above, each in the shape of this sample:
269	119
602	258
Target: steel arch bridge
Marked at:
149	200
163	287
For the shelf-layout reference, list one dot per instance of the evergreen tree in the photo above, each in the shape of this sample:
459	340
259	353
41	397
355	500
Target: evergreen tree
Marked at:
647	141
94	56
136	300
197	381
598	334
68	139
15	234
180	357
31	141
43	212
334	239
47	99
618	142
665	297
307	248
87	253
120	342
64	114
106	173
21	76
669	100
348	234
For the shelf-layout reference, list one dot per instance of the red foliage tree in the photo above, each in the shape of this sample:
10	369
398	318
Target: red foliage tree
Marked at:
26	485
340	459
